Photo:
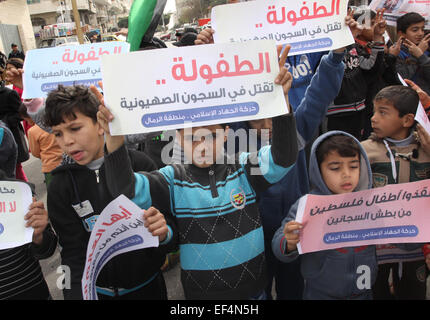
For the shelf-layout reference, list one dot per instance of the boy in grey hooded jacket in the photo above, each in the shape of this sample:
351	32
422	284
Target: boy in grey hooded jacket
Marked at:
331	274
338	164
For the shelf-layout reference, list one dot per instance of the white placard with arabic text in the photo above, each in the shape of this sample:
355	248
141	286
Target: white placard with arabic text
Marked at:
15	200
308	26
163	89
46	68
119	229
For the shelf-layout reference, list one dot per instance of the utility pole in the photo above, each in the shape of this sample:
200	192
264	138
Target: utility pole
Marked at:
77	22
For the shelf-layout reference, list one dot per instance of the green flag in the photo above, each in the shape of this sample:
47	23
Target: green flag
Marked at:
143	20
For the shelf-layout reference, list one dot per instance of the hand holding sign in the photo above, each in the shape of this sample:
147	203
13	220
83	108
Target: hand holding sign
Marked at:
104	116
156	224
37	218
292	234
424	97
205	37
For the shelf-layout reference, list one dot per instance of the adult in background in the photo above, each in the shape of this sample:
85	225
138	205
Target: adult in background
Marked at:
15	53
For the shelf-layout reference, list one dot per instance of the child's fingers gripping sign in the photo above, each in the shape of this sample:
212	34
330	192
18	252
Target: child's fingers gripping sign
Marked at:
292	234
205	37
37	218
155	222
104	116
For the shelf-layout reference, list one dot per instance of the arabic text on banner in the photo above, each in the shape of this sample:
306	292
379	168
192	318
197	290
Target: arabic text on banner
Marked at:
15	200
118	229
308	26
192	86
392	214
46	68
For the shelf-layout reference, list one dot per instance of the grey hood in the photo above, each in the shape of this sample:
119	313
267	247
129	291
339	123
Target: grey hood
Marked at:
317	182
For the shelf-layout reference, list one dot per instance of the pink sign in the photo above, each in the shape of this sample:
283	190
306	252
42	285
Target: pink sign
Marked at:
392	214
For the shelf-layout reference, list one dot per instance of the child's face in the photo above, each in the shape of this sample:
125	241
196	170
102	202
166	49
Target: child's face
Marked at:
386	122
80	138
414	33
204	145
340	174
367	33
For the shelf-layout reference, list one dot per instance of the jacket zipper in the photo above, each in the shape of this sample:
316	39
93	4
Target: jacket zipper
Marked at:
97	175
212	182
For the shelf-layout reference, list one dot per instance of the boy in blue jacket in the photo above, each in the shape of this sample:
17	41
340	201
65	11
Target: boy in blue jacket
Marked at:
275	202
338	164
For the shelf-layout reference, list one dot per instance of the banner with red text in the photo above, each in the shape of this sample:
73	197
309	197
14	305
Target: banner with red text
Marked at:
119	229
192	86
308	26
392	214
15	200
68	65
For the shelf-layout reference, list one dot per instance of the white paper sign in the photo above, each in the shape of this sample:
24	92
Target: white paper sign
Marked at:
119	229
46	68
308	26
183	87
15	200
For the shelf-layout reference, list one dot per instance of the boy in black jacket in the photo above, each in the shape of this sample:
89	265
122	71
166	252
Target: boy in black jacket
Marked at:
78	193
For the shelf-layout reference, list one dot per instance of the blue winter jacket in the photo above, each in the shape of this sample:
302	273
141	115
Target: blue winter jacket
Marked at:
331	274
275	202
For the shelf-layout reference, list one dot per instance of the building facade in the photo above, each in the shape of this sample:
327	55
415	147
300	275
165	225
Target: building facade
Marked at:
15	26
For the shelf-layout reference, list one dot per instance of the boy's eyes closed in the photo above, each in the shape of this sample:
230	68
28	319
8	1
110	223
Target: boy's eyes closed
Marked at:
75	128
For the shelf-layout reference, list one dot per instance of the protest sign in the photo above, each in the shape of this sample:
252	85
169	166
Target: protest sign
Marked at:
306	26
15	200
192	86
392	214
46	68
118	229
397	8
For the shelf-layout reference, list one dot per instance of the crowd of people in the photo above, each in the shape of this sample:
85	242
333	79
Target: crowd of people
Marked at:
350	127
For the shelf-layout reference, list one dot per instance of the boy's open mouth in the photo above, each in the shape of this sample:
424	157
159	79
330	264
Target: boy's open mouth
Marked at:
77	155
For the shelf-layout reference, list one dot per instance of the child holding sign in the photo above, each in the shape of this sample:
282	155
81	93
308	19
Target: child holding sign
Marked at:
397	157
21	277
78	193
338	164
221	237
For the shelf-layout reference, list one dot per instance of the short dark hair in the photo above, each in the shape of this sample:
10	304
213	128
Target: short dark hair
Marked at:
16	62
344	145
23	111
66	100
13	45
403	98
408	19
